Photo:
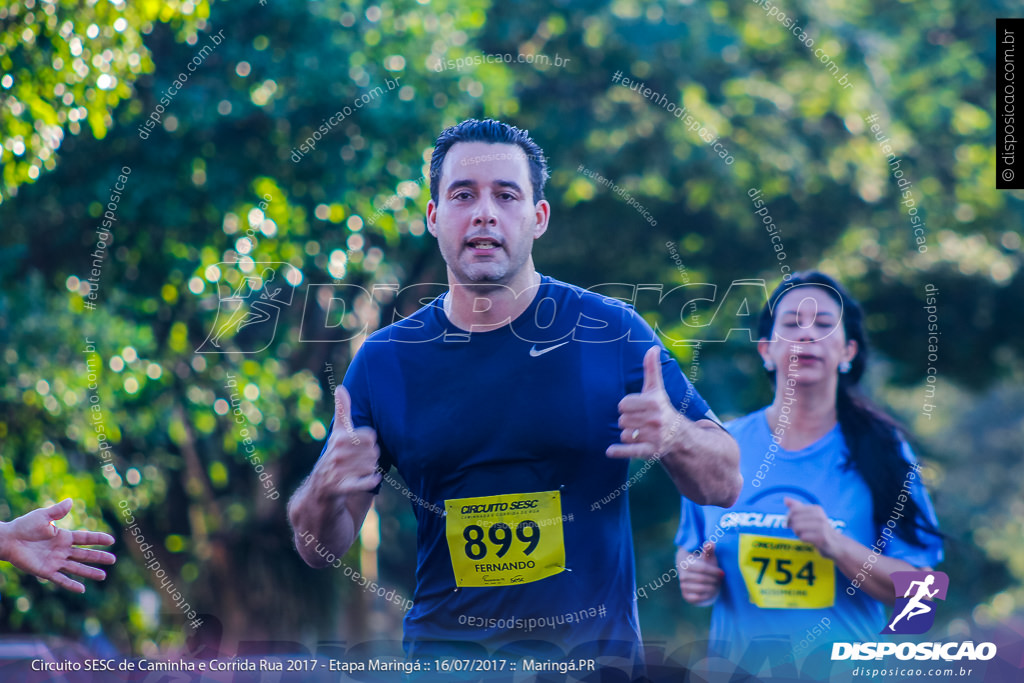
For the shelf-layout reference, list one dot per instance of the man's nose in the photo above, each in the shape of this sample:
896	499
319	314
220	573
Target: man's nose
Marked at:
486	213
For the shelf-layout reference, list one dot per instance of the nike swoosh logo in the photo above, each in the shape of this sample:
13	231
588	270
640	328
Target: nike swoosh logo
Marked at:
534	352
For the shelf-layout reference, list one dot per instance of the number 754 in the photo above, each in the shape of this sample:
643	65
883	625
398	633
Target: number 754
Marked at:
782	574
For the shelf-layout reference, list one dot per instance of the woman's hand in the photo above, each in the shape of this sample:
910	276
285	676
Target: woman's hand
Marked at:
812	525
701	579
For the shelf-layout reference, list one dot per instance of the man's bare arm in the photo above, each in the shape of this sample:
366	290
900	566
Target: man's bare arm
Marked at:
703	461
328	510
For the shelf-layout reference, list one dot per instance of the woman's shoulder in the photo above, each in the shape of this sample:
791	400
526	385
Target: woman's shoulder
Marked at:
747	424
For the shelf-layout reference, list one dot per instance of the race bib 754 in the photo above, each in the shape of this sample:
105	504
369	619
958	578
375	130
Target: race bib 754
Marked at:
785	572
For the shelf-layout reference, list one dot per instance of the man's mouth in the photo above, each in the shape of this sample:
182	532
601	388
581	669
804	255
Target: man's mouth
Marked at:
483	244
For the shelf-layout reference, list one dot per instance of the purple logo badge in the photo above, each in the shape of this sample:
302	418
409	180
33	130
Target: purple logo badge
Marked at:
916	592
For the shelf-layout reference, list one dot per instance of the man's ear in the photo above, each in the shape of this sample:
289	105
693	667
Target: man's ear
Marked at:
432	217
542	212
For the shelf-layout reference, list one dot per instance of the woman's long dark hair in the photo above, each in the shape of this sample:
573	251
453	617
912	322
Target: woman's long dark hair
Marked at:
874	439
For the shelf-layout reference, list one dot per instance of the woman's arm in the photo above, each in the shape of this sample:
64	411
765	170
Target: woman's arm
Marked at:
811	525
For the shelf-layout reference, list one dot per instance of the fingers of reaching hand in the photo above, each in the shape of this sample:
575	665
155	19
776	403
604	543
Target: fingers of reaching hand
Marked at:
91	556
84	570
59	510
92	538
66	583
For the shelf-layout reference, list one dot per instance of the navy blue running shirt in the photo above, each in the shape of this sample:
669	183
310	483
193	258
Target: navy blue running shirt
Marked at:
505	432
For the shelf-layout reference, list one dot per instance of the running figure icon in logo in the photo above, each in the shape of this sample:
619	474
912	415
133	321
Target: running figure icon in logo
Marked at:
919	590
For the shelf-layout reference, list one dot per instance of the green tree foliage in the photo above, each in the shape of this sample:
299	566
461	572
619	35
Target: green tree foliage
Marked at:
214	190
67	65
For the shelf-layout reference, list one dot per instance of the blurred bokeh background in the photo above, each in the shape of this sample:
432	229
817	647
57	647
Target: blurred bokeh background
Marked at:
79	81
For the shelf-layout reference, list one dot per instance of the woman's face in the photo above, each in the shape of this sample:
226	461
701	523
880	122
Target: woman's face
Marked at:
808	341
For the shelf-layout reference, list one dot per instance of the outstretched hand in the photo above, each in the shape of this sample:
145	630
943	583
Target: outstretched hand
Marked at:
33	544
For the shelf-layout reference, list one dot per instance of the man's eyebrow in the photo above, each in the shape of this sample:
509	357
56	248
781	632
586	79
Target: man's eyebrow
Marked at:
509	184
456	184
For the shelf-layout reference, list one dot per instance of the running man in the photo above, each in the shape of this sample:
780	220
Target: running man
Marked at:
512	402
915	606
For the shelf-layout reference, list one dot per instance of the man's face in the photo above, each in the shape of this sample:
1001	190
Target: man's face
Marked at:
485	219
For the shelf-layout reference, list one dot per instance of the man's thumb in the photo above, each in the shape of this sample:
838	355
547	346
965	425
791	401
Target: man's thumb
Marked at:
792	503
343	408
59	510
652	370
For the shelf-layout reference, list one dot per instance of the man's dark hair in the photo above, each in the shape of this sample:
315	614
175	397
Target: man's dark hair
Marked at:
495	132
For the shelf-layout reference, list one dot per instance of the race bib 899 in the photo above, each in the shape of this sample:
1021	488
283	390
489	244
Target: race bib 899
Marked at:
505	540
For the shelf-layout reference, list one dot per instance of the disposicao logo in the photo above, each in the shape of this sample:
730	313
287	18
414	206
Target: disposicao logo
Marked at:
913	614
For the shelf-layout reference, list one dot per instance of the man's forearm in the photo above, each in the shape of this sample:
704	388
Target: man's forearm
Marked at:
703	461
326	523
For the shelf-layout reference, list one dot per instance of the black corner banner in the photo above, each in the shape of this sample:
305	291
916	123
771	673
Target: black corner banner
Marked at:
1009	35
